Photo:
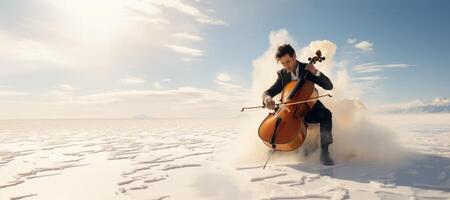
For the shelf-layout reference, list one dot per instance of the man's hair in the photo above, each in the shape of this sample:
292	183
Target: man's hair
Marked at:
283	50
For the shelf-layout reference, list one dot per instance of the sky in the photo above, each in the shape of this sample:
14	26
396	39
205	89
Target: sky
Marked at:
194	58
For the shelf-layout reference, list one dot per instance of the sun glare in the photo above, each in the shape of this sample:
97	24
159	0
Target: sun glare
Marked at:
92	20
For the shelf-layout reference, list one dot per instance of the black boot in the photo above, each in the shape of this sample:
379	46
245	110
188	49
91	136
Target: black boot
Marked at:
325	156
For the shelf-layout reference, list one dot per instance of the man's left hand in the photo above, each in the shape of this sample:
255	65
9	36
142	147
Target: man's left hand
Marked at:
311	68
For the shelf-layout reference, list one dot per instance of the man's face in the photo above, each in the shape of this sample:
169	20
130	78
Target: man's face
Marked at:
289	63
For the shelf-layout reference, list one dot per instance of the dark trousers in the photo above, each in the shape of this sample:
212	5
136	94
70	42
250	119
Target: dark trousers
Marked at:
320	114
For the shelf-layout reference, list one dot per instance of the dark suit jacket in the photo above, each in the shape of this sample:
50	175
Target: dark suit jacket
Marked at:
284	77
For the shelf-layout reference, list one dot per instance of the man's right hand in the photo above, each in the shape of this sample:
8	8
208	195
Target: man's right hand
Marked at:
270	104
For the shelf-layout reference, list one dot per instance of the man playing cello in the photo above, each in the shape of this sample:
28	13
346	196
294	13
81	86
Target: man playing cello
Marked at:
294	70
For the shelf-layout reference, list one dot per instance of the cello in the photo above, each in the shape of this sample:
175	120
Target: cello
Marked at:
285	128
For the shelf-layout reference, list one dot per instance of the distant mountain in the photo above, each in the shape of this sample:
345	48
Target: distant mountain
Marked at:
438	105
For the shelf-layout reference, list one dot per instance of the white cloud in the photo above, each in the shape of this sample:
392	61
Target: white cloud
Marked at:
12	93
180	102
185	50
132	80
344	86
351	40
369	78
188	59
124	96
227	86
157	85
148	20
440	101
142	7
328	50
223	77
265	66
63	89
21	50
188	36
364	45
189	10
223	80
86	38
437	105
66	87
30	50
208	20
373	67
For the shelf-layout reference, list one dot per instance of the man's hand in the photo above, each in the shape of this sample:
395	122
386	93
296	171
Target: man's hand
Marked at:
284	107
311	68
270	104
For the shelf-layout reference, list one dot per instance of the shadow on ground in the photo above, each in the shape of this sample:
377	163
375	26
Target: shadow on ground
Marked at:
421	171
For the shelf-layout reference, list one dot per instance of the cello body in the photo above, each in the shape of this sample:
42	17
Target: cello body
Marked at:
285	129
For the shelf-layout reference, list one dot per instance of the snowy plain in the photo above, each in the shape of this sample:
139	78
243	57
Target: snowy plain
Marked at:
218	159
